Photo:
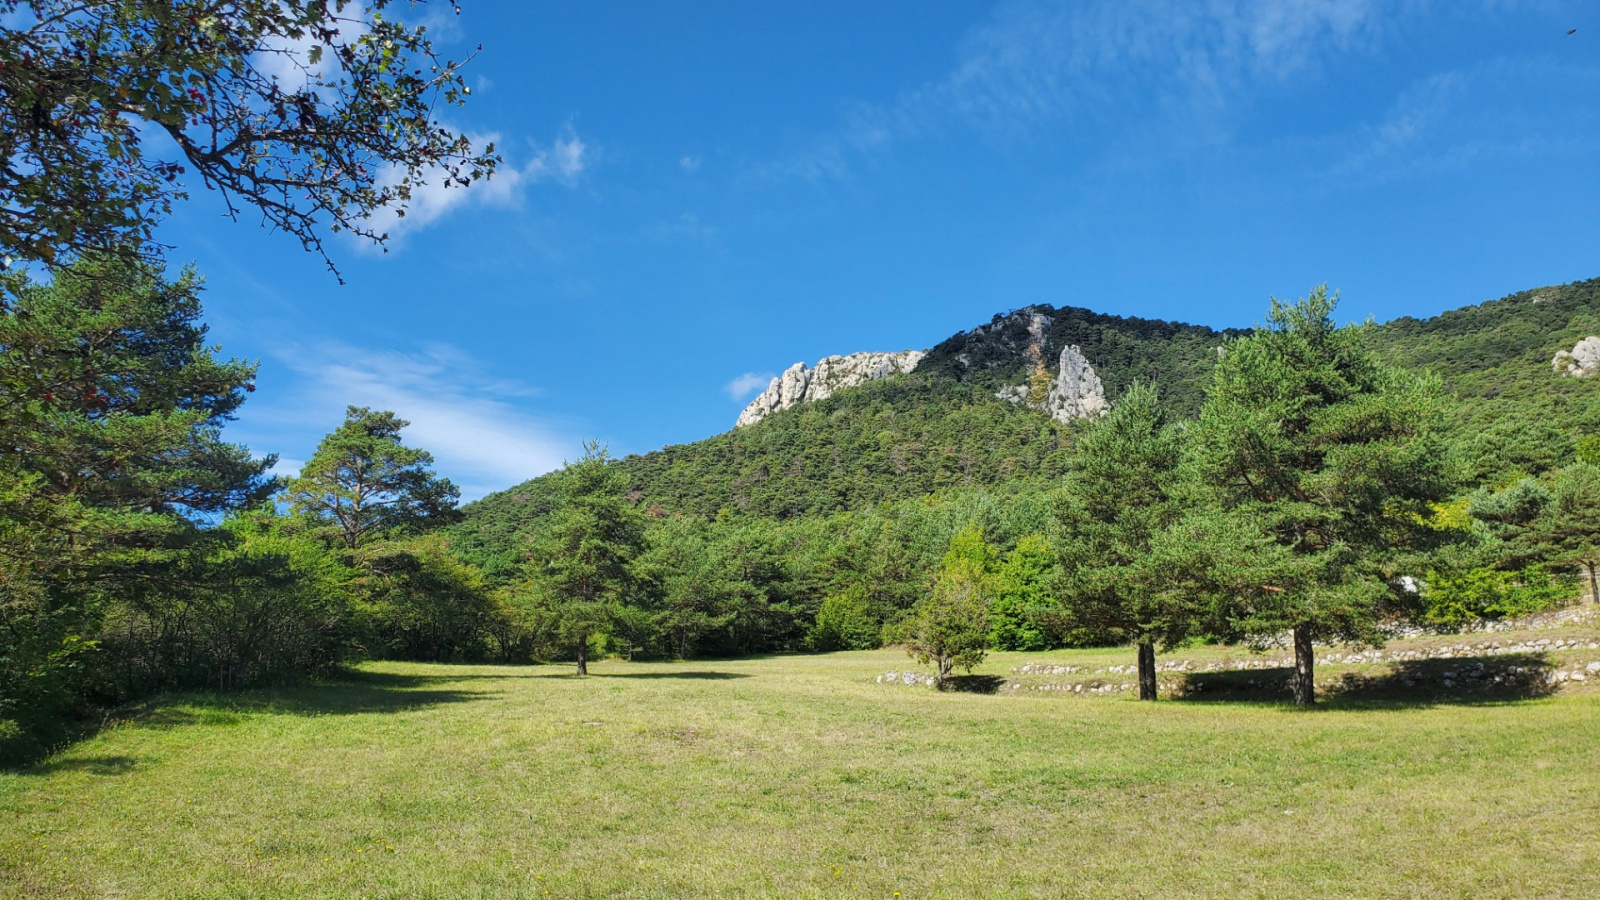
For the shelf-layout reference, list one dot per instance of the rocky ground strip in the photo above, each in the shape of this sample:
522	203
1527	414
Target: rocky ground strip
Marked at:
1528	664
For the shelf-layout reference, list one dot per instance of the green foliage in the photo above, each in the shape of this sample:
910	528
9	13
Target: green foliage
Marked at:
353	130
580	578
1306	437
1454	599
111	407
1026	612
1171	356
419	601
255	601
362	483
1508	413
1556	520
1587	449
847	620
1124	491
950	626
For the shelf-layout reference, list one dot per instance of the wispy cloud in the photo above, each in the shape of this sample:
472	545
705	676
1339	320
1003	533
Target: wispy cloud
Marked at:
562	161
1498	109
740	389
690	164
1035	64
459	412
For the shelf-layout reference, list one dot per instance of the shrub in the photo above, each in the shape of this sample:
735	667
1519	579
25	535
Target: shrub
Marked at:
847	621
1455	598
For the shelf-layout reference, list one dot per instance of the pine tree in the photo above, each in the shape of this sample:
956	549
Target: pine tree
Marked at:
1333	458
581	578
1123	493
362	482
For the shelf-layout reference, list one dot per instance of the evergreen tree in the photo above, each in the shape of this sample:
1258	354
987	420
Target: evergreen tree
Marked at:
1123	492
363	483
950	626
581	579
1334	458
1556	523
111	409
693	590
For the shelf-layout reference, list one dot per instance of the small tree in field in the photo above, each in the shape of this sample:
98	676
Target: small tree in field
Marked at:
362	482
580	576
950	627
1336	460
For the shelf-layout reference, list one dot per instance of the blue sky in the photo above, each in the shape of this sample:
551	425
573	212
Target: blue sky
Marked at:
694	199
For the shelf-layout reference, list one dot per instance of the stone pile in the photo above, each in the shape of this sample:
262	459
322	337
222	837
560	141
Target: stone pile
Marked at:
905	678
1538	622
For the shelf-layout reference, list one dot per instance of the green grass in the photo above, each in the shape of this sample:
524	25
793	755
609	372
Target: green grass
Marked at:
800	777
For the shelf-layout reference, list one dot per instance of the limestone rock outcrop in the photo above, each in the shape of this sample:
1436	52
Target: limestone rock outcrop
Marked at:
1077	392
800	383
1579	362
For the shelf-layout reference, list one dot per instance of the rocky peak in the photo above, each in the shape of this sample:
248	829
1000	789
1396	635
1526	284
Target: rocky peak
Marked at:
1074	393
800	384
1077	392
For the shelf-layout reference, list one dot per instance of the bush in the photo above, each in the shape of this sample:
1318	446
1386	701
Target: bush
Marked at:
1455	598
420	602
847	621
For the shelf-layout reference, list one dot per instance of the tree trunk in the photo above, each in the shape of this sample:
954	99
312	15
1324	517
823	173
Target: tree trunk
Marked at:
583	656
945	665
1147	671
1305	687
1594	586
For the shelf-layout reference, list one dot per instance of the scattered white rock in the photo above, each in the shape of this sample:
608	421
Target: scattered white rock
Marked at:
1579	362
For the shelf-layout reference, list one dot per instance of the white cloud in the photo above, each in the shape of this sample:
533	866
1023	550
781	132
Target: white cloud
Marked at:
740	389
459	413
690	164
1037	63
286	467
562	161
288	61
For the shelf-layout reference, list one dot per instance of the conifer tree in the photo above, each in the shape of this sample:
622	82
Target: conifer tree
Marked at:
1123	493
1332	457
362	482
581	578
1556	523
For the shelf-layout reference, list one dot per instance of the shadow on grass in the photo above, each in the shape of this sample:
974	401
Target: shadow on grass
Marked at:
700	675
973	684
352	693
93	765
1411	683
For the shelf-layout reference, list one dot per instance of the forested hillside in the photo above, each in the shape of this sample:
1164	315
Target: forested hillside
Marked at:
1174	357
942	428
1513	413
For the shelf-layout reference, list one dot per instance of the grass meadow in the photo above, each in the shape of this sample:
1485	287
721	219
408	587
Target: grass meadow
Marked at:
799	776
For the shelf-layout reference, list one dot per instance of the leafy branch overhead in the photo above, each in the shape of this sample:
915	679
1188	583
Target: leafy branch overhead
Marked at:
316	114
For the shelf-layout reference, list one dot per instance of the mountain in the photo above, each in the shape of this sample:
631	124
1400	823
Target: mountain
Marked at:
996	406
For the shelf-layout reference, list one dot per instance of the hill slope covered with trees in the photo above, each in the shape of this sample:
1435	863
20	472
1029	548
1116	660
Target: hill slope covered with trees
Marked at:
941	428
